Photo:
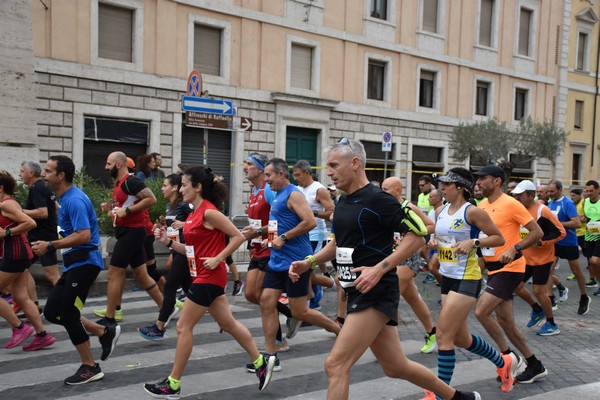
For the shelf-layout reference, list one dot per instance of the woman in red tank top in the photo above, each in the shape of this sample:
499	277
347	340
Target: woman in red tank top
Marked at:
15	258
204	232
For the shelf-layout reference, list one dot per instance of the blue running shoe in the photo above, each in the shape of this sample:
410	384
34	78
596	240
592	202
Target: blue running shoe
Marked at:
548	329
429	279
535	318
152	332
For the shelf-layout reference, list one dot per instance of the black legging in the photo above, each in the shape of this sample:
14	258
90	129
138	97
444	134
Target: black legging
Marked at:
67	298
179	275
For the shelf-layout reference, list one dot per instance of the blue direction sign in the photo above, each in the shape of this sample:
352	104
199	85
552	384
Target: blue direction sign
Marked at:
205	105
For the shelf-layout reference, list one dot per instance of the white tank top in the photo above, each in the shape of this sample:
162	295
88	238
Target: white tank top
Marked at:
310	192
449	230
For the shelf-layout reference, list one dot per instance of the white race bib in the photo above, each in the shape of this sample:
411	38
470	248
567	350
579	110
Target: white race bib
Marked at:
486	251
272	231
189	253
343	257
255	224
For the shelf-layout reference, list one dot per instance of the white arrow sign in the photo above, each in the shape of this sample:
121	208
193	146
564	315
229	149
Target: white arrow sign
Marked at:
201	104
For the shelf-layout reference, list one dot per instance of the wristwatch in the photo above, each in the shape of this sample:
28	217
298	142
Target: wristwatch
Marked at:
476	243
284	237
518	248
127	210
259	232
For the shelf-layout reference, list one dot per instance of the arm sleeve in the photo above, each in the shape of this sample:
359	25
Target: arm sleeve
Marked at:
133	185
78	215
570	209
38	200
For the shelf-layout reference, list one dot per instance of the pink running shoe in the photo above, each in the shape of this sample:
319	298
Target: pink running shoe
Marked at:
19	336
39	343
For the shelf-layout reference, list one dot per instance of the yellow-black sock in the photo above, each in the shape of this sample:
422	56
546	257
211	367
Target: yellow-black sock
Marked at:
174	383
258	362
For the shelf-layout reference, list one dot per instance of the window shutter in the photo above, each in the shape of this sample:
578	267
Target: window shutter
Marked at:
430	15
301	68
524	29
581	45
207	49
578	114
485	22
115	32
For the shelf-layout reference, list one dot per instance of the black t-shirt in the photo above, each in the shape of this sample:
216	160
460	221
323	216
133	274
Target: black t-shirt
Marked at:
365	221
40	196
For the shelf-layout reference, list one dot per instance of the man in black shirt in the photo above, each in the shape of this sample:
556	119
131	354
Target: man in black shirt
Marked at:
365	220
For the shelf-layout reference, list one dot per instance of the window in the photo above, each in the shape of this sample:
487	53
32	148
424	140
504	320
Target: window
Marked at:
101	135
426	89
486	16
115	32
523	166
425	161
582	51
520	103
430	16
376	80
301	66
207	49
524	31
578	117
379	9
482	98
576	168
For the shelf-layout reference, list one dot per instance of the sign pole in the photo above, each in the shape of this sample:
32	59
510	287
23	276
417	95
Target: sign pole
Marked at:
385	165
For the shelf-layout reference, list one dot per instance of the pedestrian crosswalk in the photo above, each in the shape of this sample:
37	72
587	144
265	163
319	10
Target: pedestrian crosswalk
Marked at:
216	369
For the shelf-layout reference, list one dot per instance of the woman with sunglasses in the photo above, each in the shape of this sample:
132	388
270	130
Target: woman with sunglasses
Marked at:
457	227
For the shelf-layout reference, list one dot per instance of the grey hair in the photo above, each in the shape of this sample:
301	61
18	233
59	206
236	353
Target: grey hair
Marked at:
262	157
33	167
303	165
557	183
352	148
279	165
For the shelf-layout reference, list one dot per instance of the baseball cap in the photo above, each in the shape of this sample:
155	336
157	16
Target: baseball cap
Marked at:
491	170
524	186
331	187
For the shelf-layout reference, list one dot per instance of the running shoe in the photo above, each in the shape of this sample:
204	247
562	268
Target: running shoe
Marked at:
548	329
571	277
179	304
429	396
152	332
532	373
429	279
238	286
85	374
7	297
584	305
471	395
597	292
339	322
293	326
265	372
563	295
506	373
536	318
277	368
19	336
554	305
592	282
109	340
40	342
283	299
102	314
173	314
162	390
430	344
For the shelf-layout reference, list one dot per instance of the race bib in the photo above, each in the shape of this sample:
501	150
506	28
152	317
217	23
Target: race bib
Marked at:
343	257
60	236
524	232
191	259
593	228
255	224
486	251
397	240
173	234
272	233
447	249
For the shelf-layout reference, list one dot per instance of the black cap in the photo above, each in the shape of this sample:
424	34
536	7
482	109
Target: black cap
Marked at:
491	170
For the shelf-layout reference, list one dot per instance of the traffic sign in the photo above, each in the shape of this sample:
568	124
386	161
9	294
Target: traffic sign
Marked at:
386	144
206	120
194	84
206	105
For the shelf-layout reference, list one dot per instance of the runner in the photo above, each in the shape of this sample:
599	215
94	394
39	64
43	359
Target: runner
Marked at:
204	231
365	221
591	209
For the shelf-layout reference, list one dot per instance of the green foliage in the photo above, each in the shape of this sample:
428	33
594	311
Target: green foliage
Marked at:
21	193
488	141
97	194
160	207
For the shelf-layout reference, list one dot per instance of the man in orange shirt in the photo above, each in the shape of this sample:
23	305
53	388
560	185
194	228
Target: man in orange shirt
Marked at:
506	267
539	259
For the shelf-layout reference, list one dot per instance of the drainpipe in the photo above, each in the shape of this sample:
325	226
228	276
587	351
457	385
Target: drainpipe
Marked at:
596	99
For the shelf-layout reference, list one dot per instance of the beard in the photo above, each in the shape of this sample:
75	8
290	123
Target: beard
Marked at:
114	172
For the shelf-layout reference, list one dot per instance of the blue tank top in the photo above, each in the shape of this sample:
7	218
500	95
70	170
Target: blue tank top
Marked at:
294	249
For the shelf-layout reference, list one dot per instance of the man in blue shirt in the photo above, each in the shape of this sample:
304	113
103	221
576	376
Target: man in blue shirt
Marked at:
567	248
82	262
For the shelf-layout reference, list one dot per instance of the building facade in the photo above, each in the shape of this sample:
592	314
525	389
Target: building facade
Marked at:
109	75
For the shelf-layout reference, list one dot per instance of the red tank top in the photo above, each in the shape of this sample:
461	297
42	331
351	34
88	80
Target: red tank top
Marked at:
15	247
123	199
258	208
207	243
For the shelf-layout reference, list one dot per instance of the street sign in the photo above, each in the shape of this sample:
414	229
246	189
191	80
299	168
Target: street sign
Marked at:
243	123
194	84
206	105
206	120
386	143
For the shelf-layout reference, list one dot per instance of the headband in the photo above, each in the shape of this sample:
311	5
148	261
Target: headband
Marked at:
256	161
